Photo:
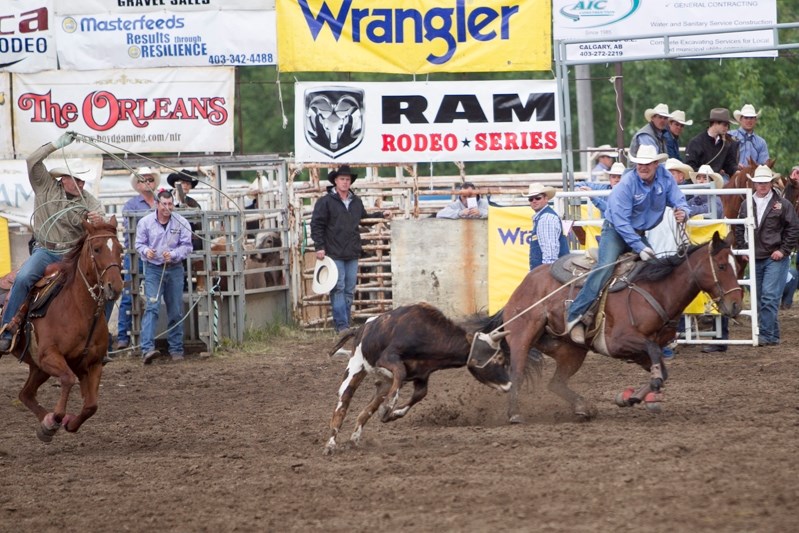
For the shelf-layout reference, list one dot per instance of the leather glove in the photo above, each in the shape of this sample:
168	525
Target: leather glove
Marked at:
646	254
64	140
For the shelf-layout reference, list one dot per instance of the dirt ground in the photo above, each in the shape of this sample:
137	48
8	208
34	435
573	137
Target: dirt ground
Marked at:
234	442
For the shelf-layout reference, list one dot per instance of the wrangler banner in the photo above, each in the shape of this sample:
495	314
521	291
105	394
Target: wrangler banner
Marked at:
509	231
414	36
140	110
415	122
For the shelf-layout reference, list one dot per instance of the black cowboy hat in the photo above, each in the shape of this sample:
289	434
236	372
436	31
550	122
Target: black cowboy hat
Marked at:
183	175
343	170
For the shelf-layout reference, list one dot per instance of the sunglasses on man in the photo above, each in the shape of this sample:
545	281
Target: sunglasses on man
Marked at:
535	198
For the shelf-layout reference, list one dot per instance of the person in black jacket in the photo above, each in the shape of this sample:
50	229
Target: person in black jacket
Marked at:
334	230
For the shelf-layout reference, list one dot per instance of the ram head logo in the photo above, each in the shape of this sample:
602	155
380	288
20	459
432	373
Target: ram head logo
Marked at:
334	119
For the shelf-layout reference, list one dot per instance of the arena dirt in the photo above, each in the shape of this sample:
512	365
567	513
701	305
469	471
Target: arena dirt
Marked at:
234	442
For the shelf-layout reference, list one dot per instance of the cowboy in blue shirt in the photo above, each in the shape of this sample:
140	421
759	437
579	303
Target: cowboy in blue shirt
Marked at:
750	145
635	205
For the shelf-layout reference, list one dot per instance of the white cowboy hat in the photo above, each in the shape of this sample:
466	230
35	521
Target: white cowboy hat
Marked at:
676	164
679	116
146	171
325	276
535	189
605	150
616	170
660	109
748	110
763	174
708	171
647	154
77	171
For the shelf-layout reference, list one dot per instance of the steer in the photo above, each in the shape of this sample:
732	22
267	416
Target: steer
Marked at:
408	344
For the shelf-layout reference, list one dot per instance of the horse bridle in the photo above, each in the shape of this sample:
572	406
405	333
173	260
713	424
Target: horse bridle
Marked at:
720	289
96	290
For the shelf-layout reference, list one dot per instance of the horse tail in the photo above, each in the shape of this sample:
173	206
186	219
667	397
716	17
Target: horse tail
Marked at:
345	337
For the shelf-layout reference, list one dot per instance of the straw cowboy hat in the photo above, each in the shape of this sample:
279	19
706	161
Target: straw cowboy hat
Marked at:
146	171
325	276
660	109
720	114
679	116
605	150
763	174
77	171
184	175
616	170
343	170
708	171
676	164
534	189
748	110
647	154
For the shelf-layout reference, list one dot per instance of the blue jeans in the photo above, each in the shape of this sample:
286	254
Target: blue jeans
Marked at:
166	282
28	274
770	281
611	246
790	288
343	293
125	320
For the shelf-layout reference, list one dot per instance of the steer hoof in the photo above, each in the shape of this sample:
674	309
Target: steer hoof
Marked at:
516	419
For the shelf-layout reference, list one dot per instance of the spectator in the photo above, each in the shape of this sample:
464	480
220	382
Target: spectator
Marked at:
792	186
791	283
776	234
714	146
672	134
750	145
604	156
700	204
547	241
144	181
61	207
163	241
653	133
468	205
613	177
679	170
182	183
334	230
635	205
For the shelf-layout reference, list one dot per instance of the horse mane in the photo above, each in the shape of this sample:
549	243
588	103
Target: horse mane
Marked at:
658	270
68	266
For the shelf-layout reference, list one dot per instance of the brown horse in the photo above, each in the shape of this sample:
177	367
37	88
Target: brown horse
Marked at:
638	321
70	341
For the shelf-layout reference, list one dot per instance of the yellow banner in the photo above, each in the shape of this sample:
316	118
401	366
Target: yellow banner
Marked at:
5	248
414	36
508	252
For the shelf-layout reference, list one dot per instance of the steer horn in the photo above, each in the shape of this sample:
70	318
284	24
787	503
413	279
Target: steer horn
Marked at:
497	335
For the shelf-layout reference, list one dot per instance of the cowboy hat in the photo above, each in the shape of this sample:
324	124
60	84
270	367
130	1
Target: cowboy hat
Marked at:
145	171
720	114
748	110
184	175
708	171
534	189
679	116
647	154
605	150
676	164
343	170
325	276
660	109
77	171
763	174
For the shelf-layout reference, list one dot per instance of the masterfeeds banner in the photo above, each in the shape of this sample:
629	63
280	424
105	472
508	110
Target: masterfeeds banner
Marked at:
414	36
6	143
590	19
27	43
139	110
434	121
166	39
82	7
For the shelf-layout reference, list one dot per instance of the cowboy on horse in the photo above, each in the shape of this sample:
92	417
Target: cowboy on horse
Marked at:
61	206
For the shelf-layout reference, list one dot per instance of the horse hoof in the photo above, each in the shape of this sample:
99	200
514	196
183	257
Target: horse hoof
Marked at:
65	423
654	402
654	407
623	398
45	435
585	413
515	419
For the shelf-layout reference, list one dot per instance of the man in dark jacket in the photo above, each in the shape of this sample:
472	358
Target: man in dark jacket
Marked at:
776	234
715	146
334	230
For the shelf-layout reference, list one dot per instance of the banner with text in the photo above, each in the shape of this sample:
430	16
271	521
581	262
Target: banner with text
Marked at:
619	18
6	142
414	36
71	7
167	39
434	121
509	230
139	110
27	43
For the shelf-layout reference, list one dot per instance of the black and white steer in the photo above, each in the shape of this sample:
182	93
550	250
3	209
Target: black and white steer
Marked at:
408	344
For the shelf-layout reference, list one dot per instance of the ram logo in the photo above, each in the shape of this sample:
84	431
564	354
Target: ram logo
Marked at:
334	119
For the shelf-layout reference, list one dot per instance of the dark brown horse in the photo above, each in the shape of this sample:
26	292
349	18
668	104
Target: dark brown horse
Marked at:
639	320
71	339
